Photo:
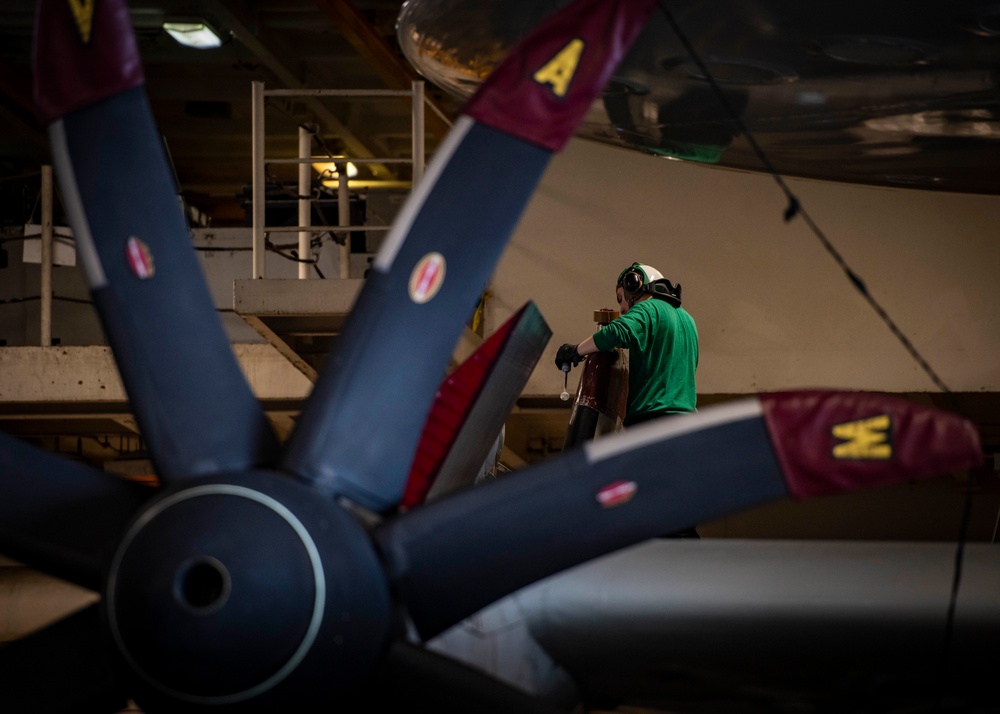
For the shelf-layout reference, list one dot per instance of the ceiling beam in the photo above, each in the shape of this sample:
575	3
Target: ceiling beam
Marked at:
353	145
379	55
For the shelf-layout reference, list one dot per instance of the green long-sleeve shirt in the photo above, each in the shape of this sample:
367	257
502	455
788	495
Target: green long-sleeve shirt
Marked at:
663	355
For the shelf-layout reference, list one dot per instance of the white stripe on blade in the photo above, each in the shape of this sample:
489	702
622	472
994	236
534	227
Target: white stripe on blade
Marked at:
662	429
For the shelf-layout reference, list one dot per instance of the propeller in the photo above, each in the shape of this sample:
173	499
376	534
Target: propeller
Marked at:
238	586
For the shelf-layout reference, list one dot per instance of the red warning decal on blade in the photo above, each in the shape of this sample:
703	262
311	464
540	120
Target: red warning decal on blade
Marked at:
140	260
427	277
617	493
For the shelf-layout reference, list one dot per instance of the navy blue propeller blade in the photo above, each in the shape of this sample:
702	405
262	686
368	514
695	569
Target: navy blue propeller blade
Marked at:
360	427
61	517
192	402
454	556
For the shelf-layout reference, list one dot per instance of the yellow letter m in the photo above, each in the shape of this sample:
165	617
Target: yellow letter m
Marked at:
864	439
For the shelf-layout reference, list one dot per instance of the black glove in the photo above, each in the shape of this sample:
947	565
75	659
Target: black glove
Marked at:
566	356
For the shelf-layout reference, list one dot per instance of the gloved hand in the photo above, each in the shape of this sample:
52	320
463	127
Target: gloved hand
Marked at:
566	356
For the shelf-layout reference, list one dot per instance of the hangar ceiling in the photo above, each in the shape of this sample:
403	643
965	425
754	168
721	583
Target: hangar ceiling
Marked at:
202	98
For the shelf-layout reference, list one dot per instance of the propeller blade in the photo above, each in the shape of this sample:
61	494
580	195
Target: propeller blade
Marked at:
62	668
454	556
61	517
442	249
471	405
192	402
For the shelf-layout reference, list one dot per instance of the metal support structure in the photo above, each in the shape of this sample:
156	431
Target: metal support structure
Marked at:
258	179
418	131
344	218
305	200
46	278
305	228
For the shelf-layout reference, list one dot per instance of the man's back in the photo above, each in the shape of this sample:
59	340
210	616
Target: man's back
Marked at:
663	355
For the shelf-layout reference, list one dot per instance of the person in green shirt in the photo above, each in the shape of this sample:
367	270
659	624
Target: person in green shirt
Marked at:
662	340
662	343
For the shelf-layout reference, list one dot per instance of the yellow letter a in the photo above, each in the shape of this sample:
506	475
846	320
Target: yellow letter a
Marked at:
558	71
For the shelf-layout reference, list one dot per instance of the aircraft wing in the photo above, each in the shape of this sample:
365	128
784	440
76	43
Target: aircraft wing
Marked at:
729	622
730	625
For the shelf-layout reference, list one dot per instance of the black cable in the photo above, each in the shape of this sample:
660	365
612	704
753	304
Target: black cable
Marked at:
21	177
277	248
287	256
339	237
319	140
953	599
79	301
15	300
795	208
61	237
32	298
316	240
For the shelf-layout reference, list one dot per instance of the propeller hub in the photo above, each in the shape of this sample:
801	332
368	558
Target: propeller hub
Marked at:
229	590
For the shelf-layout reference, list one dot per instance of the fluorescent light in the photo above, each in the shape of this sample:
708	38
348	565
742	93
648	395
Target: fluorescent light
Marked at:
327	170
193	34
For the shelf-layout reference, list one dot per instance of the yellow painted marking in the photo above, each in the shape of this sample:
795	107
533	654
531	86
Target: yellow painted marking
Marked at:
83	13
864	439
558	72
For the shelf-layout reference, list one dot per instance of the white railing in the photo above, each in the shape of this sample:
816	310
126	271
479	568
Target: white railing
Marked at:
305	230
45	311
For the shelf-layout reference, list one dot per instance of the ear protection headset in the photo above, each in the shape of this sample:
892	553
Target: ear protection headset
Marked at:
638	280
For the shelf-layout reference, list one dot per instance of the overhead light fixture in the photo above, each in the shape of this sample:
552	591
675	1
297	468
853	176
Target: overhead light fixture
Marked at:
193	33
330	174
